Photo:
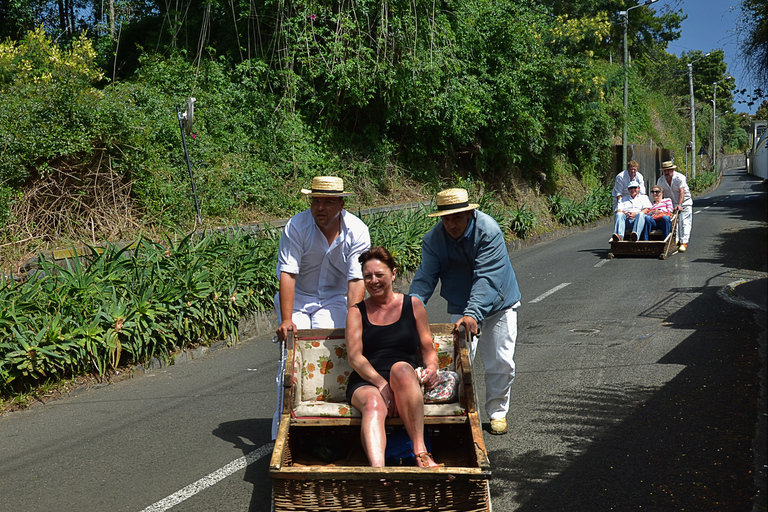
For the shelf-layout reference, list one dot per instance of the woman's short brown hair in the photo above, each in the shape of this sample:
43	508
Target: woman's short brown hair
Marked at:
378	253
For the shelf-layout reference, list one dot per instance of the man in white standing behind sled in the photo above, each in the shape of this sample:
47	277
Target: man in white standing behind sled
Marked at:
318	269
675	187
621	184
466	252
317	265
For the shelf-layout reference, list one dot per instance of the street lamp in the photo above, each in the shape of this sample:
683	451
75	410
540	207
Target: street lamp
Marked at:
693	112
714	116
624	15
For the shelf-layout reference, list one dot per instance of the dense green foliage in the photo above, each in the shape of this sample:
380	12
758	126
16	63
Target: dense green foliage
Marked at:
127	305
592	207
703	181
369	91
358	90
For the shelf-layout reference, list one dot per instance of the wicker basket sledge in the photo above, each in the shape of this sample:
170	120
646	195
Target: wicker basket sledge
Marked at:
318	463
656	246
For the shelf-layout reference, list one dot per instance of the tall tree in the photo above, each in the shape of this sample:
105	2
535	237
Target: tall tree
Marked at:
16	18
753	49
754	46
648	26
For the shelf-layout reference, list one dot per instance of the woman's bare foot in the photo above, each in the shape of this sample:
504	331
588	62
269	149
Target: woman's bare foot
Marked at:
425	460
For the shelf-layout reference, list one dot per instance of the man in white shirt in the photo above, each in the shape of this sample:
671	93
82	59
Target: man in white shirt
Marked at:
620	187
632	210
675	187
317	264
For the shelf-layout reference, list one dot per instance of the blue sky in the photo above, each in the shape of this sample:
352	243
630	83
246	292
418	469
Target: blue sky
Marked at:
712	25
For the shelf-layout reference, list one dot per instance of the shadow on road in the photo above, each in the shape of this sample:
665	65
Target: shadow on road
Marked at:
248	435
686	445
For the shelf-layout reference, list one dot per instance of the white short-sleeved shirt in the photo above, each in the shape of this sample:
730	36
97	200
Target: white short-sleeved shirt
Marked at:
322	271
622	180
672	190
630	204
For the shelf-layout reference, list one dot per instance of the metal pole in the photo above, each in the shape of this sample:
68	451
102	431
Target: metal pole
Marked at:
714	124
626	95
189	165
625	17
693	120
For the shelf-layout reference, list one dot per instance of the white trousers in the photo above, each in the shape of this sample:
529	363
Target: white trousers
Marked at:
684	222
497	351
317	317
329	317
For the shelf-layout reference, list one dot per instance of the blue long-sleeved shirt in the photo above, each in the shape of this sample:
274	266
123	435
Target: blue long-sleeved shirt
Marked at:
476	276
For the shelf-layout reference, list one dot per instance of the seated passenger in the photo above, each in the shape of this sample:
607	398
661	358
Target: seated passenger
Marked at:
632	210
386	335
660	213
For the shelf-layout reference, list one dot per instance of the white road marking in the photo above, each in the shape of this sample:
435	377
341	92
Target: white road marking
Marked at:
601	263
697	212
550	292
212	479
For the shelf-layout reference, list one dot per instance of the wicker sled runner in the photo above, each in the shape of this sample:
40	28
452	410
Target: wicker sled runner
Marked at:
318	463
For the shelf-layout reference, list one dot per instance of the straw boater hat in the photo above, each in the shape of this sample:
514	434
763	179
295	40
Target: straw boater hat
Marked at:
668	165
452	200
327	186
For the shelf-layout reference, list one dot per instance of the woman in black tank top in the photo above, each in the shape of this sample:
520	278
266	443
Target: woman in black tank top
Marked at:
387	334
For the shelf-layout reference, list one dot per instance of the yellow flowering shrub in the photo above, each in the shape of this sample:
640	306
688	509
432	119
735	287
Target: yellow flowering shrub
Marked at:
38	59
580	33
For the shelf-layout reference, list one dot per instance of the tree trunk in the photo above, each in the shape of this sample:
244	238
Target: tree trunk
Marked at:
62	16
112	19
71	17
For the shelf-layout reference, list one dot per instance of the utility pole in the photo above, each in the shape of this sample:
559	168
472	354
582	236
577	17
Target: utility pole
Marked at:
626	95
624	16
714	123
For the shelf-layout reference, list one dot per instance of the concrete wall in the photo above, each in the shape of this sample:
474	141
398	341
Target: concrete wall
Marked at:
732	161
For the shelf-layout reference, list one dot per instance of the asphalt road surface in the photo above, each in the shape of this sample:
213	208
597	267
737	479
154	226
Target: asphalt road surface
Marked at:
636	389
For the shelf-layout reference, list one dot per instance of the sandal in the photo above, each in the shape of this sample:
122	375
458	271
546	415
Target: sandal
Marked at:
424	458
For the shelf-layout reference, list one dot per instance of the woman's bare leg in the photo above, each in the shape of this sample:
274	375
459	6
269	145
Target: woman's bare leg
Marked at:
410	406
370	403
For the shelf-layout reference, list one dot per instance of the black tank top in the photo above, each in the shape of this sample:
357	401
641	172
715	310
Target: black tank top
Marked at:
384	345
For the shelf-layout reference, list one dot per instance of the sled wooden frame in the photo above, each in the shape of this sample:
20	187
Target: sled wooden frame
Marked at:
301	482
655	246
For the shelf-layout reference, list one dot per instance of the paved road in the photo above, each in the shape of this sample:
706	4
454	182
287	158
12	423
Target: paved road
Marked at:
634	376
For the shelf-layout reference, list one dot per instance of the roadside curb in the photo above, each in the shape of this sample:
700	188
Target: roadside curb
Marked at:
748	293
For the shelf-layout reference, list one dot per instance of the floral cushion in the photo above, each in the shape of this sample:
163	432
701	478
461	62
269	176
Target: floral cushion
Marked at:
445	352
321	372
325	370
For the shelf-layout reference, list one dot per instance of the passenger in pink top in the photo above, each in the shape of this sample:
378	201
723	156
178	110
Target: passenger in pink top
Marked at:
660	213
